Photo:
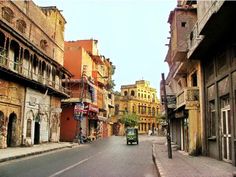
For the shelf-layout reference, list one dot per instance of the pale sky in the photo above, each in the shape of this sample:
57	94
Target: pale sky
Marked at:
132	33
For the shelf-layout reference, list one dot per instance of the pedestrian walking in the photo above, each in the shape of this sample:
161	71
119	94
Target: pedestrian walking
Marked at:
149	132
81	136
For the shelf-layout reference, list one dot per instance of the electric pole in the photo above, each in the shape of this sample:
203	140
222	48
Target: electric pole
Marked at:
167	118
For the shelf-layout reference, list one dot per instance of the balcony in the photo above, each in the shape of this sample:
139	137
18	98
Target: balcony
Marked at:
110	103
208	9
214	26
188	97
26	75
181	21
194	40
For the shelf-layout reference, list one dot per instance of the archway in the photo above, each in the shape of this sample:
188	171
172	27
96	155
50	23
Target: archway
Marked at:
36	133
11	128
14	55
37	129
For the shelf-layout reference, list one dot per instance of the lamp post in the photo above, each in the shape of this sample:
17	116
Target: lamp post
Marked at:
167	118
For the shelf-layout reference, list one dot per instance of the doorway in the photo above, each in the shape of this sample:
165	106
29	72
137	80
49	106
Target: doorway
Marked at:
185	134
36	133
11	130
226	134
225	129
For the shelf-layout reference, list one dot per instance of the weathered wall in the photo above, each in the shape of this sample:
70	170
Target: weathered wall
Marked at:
37	109
11	102
39	26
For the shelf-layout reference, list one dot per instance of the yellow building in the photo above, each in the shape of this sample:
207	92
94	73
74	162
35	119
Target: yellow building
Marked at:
141	99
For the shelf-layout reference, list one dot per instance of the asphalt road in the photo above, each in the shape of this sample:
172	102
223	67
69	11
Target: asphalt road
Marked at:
110	157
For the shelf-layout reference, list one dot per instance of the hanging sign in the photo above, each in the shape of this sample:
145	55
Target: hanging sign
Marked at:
78	111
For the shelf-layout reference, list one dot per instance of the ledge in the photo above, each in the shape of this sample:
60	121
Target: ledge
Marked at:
212	138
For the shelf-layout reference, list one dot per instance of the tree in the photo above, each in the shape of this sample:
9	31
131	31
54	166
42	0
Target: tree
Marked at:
130	120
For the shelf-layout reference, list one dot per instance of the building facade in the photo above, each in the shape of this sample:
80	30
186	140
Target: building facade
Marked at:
31	62
141	99
211	58
216	53
90	88
184	80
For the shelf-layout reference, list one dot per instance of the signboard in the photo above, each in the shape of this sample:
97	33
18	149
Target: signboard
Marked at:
78	116
79	107
78	111
171	101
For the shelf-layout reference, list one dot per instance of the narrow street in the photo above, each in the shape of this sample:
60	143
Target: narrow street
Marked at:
110	157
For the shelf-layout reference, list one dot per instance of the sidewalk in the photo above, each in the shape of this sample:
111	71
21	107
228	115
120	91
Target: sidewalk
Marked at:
19	152
183	165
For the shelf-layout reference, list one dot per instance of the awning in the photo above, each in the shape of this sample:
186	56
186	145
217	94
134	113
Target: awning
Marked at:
91	107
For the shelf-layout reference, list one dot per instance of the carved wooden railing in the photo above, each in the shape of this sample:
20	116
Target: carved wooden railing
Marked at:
189	97
27	72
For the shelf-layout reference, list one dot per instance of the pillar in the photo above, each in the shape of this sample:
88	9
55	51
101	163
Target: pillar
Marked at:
194	133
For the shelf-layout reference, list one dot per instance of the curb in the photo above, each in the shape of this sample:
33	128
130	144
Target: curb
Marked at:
160	171
34	153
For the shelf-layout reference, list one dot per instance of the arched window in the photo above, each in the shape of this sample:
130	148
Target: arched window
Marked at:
145	109
132	93
153	111
40	68
48	75
21	25
43	44
28	128
7	14
48	71
14	55
125	93
53	76
35	64
43	69
11	129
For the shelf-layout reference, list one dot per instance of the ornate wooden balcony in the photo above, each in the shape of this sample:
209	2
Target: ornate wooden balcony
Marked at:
17	69
188	97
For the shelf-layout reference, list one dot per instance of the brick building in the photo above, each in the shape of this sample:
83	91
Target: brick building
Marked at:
90	88
31	73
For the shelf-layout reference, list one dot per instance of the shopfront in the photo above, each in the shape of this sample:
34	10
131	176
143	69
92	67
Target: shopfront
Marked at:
220	91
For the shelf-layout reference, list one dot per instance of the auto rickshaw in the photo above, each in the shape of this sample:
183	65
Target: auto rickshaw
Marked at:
131	135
